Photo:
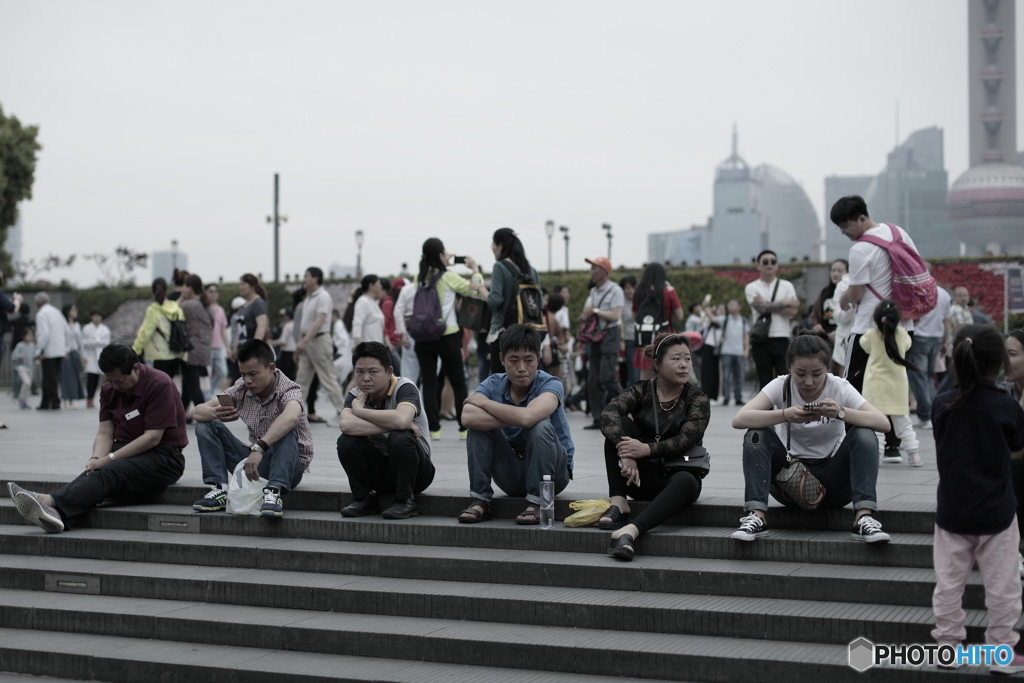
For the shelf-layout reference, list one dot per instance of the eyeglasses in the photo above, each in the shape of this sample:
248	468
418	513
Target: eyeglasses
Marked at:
769	261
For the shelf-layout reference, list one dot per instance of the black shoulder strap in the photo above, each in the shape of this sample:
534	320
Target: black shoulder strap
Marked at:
786	396
776	290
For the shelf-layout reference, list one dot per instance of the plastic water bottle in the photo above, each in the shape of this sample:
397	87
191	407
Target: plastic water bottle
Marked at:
547	502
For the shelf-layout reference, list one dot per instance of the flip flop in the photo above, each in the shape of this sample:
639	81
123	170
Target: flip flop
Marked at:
523	518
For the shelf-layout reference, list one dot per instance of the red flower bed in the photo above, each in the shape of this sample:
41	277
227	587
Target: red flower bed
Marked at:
984	281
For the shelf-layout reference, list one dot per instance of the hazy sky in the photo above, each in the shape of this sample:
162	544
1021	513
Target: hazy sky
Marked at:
408	120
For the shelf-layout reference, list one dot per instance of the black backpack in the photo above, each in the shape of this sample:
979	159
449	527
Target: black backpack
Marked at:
178	341
650	319
528	306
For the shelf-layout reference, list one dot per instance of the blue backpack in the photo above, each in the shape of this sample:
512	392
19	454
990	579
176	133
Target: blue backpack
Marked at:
426	323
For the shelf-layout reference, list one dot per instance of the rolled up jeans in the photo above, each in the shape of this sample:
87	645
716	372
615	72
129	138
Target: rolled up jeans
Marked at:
516	471
849	475
220	452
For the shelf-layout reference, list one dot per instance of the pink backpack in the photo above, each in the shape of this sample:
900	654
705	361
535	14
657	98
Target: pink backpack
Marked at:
913	287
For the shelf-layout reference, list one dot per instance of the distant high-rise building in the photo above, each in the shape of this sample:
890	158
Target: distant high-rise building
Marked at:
754	209
986	203
164	263
13	244
911	192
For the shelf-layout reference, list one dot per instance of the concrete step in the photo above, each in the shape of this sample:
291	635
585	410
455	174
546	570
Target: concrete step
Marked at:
727	577
709	511
822	547
130	660
274	640
801	620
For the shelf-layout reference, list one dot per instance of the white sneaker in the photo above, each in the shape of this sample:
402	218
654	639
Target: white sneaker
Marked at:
914	459
751	527
924	424
35	511
1020	565
1015	666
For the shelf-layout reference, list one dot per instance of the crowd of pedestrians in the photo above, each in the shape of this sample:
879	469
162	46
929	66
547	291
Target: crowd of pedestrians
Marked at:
835	391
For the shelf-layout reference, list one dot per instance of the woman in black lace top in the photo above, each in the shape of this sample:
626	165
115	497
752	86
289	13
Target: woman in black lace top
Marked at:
636	440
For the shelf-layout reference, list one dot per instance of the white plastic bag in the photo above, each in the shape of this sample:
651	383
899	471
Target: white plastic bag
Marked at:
244	497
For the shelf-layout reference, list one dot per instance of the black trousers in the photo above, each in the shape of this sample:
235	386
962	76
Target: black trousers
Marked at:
709	375
669	492
769	359
386	463
191	386
449	349
51	380
142	475
92	381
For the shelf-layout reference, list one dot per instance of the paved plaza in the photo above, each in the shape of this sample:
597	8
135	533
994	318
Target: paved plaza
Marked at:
54	446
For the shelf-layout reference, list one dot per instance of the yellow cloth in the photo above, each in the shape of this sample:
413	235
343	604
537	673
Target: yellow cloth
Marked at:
885	382
152	337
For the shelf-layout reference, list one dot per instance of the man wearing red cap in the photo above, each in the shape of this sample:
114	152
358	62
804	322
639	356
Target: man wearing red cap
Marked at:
605	301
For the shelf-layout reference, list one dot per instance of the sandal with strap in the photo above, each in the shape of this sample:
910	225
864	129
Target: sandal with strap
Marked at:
617	519
529	516
478	510
622	548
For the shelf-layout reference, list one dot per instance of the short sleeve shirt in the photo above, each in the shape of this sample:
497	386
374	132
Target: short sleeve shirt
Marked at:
781	326
606	298
259	414
153	403
496	388
220	321
821	438
930	324
869	265
316	303
249	313
401	391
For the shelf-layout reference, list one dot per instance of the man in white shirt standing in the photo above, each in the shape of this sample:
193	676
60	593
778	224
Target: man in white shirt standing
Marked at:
314	350
768	293
870	283
51	347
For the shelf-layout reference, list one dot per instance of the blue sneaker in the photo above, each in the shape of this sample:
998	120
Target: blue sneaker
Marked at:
215	501
271	502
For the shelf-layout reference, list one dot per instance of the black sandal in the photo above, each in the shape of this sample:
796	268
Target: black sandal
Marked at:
478	510
622	548
529	517
617	519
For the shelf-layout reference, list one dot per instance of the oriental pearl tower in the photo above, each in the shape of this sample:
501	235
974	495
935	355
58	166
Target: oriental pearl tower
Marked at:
986	203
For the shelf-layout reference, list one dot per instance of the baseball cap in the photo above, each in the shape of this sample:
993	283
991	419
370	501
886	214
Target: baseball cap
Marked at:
601	262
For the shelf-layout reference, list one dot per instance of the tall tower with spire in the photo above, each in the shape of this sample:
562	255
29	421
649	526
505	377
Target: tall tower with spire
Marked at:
986	203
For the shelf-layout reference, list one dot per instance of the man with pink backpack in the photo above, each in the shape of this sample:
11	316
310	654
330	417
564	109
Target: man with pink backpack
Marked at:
884	264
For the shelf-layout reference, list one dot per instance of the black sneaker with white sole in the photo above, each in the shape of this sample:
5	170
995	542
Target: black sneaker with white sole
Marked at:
215	501
751	526
869	530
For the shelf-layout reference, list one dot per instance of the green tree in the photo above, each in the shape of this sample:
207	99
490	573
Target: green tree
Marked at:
18	148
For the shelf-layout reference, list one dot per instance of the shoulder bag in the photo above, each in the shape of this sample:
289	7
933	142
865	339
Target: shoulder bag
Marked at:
590	331
794	483
696	460
762	326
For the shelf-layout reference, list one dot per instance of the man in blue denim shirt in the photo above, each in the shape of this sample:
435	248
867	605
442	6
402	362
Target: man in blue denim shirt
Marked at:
517	430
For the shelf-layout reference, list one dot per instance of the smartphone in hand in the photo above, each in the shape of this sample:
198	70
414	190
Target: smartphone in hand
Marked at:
225	400
812	406
459	259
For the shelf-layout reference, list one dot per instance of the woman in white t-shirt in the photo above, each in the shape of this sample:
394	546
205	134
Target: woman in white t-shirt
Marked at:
827	425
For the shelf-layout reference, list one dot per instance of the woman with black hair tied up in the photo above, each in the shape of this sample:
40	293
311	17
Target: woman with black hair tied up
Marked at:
656	307
433	272
646	424
510	263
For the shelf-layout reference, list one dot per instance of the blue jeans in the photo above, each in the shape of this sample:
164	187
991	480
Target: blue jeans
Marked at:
733	371
220	452
516	469
923	353
849	475
218	370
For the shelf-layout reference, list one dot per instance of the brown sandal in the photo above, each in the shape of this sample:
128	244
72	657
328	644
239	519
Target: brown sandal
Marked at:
478	510
529	516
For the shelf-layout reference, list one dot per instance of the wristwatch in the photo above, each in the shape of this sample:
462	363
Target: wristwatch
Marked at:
110	455
841	415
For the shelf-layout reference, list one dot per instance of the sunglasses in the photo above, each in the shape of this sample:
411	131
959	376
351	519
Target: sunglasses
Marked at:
769	261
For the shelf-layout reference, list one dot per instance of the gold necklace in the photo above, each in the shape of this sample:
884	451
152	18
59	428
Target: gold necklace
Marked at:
671	404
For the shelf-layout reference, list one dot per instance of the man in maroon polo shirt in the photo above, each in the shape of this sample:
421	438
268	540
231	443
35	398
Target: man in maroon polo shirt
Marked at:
137	449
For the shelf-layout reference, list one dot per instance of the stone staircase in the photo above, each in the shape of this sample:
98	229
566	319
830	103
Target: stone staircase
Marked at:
157	593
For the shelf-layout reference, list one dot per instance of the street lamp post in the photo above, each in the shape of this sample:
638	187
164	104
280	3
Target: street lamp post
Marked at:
549	228
359	254
607	227
565	235
277	219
